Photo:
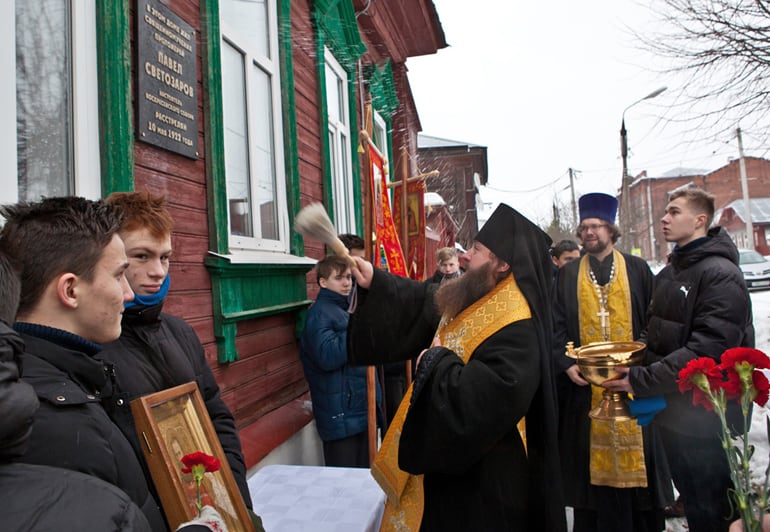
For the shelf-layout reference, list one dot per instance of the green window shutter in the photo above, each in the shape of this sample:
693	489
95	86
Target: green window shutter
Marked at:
337	29
116	125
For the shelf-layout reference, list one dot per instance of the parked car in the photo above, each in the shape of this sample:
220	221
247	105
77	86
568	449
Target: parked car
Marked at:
755	268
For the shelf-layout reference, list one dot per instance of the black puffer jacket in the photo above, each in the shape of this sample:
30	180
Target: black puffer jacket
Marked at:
46	499
41	498
71	429
18	402
158	351
700	307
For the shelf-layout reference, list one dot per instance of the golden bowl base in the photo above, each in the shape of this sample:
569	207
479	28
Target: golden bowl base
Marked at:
613	407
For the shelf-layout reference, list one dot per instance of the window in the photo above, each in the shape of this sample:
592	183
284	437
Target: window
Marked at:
380	135
251	108
48	53
339	145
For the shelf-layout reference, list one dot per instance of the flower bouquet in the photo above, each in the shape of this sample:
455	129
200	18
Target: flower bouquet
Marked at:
734	379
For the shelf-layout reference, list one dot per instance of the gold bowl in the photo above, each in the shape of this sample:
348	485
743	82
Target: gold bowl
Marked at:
599	363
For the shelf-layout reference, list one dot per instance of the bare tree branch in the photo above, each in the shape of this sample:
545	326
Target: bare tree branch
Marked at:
721	49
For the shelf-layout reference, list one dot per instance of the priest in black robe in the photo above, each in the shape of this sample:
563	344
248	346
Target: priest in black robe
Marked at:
458	455
604	297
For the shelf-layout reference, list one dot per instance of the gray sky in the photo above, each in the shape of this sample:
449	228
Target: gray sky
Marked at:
543	85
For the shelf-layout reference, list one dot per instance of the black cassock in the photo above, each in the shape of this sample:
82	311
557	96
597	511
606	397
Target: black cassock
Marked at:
460	431
575	401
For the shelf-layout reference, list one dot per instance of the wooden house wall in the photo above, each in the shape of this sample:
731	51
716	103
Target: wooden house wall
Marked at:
455	183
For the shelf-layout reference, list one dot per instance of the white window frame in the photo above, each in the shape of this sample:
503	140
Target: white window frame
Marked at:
341	162
243	244
85	121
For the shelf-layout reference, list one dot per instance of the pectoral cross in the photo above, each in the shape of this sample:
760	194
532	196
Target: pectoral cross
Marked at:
603	314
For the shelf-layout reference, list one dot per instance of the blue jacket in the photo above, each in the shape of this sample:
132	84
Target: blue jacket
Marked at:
338	390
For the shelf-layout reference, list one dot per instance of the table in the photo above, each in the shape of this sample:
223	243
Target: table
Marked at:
292	498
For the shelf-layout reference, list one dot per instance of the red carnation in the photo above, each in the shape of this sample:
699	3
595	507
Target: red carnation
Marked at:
740	365
693	374
756	358
761	386
199	464
700	375
210	464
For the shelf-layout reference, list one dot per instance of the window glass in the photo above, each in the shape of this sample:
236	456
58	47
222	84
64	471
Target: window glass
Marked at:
248	18
236	140
44	99
48	59
251	93
339	145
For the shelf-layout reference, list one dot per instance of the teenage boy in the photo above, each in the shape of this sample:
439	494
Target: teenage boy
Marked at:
337	389
156	350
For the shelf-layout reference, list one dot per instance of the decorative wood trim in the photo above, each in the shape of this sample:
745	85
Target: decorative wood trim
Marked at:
337	29
289	106
214	126
248	291
116	124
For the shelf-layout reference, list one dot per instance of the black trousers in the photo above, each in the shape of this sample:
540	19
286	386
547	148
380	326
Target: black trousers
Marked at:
352	451
619	510
701	473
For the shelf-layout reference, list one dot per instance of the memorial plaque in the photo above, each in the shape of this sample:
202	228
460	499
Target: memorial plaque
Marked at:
167	80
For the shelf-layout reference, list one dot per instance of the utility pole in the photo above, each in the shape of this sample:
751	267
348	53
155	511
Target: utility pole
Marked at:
627	217
628	220
574	203
745	190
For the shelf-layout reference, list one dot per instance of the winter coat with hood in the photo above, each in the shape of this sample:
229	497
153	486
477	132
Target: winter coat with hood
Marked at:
700	307
338	390
42	498
72	429
156	351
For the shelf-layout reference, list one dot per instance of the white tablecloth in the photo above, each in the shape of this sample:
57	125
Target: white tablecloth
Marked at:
319	499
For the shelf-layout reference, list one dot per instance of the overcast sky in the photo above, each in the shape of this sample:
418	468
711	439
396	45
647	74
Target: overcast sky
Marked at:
544	85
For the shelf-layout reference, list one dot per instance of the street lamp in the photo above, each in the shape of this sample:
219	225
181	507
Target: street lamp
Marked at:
625	185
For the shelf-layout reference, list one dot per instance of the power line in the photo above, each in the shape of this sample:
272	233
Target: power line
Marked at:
525	191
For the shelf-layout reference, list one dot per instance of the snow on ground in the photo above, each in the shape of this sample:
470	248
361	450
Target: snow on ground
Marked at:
760	302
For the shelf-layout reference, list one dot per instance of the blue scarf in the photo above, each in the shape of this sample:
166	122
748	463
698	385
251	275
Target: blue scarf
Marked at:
154	299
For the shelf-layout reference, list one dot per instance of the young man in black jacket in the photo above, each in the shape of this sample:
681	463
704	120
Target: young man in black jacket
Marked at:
156	350
72	262
700	307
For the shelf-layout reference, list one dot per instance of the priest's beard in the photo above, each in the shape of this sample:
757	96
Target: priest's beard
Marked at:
455	295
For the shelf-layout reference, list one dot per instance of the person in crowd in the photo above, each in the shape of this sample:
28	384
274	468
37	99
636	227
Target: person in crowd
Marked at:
462	259
36	497
604	297
157	350
700	308
456	436
448	265
564	252
72	265
354	244
337	389
392	377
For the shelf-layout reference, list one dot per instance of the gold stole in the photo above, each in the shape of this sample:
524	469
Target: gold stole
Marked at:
617	449
504	305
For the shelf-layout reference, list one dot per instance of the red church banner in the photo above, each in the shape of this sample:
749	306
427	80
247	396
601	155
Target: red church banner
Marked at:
415	222
391	257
